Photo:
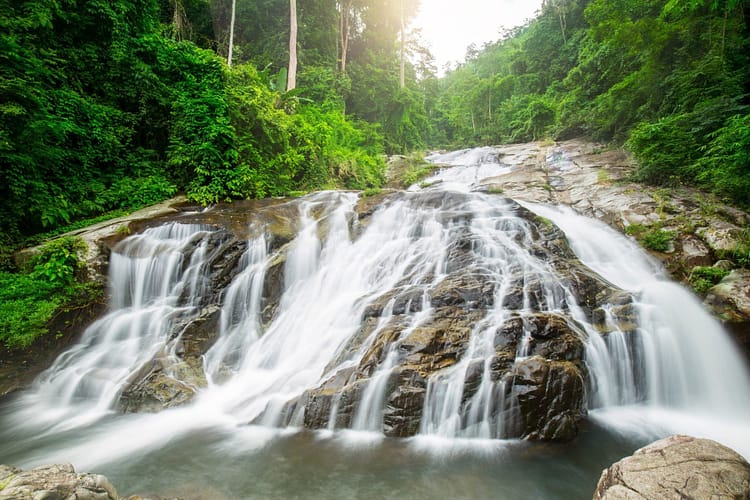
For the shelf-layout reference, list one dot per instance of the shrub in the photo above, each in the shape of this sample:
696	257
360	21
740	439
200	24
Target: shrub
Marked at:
29	299
703	278
657	239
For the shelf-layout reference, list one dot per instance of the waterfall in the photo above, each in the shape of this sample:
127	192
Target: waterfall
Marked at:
431	307
157	279
679	354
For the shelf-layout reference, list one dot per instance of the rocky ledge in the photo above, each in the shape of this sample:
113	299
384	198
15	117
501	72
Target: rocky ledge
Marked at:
702	241
677	467
58	482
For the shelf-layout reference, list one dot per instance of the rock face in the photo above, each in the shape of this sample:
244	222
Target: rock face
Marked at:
542	391
173	378
593	180
528	381
677	467
54	482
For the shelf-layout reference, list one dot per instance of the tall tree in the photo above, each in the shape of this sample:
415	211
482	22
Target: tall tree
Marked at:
402	79
291	81
346	14
231	33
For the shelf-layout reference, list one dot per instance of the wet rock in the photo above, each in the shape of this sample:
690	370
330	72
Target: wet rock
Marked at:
171	381
273	288
404	300
730	298
378	349
550	398
405	396
53	482
440	342
155	392
320	403
677	467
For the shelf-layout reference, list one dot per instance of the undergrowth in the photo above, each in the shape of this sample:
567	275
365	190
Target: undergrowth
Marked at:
703	278
50	283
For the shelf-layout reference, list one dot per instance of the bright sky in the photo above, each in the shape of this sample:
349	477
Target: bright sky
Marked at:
449	26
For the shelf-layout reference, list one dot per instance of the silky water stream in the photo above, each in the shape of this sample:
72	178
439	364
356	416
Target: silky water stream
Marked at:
348	282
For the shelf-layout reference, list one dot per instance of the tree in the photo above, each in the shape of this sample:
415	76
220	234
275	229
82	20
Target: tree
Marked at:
402	79
231	33
346	15
291	82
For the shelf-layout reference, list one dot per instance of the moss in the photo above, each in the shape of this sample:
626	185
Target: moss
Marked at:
5	482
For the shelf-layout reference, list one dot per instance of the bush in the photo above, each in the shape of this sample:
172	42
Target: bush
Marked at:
703	278
657	239
29	299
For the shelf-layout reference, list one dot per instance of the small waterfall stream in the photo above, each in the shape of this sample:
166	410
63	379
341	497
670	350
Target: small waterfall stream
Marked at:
426	316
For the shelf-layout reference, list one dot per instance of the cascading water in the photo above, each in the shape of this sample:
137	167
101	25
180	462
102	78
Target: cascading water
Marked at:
156	278
431	314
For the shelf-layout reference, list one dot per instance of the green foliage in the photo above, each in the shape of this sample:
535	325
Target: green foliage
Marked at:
741	252
29	299
667	78
416	172
58	261
725	166
651	237
657	239
703	278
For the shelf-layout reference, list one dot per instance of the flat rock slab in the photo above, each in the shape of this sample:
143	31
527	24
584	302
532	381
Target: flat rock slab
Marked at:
677	467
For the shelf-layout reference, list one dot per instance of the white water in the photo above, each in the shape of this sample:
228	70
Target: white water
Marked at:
149	273
678	373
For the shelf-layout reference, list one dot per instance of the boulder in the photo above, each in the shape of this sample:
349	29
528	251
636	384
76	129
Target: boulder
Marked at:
173	380
54	482
694	252
720	235
550	398
730	298
677	467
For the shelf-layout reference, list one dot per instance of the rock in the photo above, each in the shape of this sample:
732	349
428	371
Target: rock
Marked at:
723	264
694	252
54	482
154	393
730	298
170	381
720	236
677	467
550	398
404	401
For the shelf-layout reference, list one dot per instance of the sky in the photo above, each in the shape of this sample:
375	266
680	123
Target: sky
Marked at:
449	26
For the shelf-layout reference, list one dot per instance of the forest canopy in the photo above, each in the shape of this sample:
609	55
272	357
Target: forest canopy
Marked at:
111	104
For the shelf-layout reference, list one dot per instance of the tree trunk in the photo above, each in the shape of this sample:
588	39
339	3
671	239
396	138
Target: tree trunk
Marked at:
180	22
402	80
231	33
563	21
291	81
345	8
